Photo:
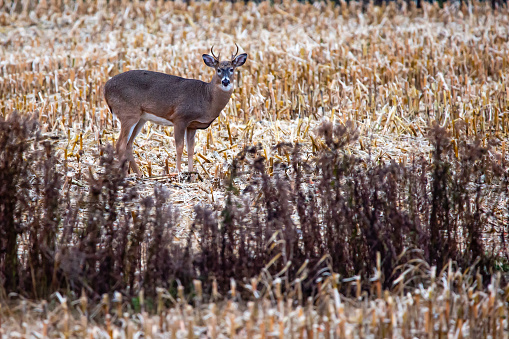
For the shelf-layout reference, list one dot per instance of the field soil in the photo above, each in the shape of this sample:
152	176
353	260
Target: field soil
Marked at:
389	72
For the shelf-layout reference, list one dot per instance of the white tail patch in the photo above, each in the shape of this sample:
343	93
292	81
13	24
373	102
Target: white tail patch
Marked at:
156	119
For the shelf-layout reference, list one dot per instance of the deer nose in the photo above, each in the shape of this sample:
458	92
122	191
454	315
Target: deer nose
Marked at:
225	82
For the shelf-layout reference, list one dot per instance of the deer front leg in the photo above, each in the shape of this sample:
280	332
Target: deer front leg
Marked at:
190	148
179	130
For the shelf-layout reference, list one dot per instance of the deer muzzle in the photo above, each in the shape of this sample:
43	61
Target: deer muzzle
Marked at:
225	82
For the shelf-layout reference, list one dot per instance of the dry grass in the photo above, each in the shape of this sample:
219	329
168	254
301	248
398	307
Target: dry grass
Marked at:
446	304
392	70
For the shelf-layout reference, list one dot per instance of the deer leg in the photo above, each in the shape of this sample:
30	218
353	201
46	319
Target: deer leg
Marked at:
126	129
179	131
190	133
129	149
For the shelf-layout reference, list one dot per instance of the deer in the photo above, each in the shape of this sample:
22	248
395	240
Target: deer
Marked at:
138	96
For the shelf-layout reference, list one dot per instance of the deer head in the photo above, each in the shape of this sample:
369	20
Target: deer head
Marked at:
225	70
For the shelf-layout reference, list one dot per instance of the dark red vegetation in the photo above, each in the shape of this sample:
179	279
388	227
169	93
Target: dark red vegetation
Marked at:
311	217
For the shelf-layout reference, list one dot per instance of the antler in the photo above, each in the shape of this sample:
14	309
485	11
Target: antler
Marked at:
212	51
237	52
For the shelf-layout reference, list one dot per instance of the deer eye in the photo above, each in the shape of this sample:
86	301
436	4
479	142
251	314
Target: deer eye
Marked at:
218	71
231	70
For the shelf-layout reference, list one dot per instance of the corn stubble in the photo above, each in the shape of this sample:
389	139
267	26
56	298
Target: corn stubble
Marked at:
453	305
338	236
306	63
330	246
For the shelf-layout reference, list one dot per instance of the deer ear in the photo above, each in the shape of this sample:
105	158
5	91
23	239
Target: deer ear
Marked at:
240	60
209	60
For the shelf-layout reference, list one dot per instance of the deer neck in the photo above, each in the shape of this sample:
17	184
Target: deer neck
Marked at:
219	96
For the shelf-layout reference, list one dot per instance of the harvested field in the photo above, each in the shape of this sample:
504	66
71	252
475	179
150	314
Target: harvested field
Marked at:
392	70
388	72
451	305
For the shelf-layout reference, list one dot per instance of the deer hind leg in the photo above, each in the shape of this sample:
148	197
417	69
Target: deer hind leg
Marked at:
126	130
190	133
129	148
179	131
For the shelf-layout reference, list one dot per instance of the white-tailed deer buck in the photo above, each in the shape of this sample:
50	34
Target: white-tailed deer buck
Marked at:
136	97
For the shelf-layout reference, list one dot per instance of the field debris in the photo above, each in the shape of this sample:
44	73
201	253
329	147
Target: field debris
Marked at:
450	303
447	65
393	73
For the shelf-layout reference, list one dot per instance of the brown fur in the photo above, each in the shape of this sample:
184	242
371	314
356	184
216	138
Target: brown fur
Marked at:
188	104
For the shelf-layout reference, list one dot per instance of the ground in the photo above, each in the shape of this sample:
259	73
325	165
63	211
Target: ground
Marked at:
392	70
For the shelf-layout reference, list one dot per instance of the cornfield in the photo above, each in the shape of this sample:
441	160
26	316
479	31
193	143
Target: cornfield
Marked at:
393	74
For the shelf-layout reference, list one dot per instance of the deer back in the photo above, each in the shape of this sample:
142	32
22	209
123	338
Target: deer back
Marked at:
163	95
